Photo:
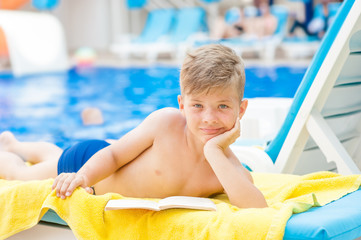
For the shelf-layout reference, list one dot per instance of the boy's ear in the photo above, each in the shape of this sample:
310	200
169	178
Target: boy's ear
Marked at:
243	108
180	103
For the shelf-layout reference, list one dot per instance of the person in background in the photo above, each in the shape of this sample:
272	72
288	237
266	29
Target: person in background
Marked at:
316	22
254	22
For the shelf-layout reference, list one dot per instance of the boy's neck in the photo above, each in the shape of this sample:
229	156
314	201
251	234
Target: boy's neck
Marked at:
194	144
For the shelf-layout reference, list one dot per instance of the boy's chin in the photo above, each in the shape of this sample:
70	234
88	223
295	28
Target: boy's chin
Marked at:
205	139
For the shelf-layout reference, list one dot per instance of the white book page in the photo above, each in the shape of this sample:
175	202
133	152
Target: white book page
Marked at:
187	202
131	204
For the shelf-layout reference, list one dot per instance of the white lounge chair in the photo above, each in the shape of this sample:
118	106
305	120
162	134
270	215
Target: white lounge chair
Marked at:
326	107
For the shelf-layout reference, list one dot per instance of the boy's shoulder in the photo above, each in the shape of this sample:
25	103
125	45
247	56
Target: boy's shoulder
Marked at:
168	113
166	116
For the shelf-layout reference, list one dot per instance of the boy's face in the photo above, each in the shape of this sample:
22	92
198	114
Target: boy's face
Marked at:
211	114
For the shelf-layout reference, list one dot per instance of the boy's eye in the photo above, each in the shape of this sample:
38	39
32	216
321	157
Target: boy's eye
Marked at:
197	105
223	106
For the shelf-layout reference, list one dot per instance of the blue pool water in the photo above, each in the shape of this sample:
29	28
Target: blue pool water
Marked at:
47	107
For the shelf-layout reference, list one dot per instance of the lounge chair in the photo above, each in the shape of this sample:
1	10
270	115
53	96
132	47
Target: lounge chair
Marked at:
326	107
189	22
174	37
36	42
157	26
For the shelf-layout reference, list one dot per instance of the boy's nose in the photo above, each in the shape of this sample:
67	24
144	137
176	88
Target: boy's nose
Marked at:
209	116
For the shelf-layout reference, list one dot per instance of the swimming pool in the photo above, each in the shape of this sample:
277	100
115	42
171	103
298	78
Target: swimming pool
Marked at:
47	107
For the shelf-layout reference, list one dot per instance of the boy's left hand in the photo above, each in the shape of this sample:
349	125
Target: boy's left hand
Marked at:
225	139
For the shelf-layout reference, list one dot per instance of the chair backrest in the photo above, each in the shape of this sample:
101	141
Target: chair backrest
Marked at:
158	24
333	8
318	11
281	13
188	21
327	105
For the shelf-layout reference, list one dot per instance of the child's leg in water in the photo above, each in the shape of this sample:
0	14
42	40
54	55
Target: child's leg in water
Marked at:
13	153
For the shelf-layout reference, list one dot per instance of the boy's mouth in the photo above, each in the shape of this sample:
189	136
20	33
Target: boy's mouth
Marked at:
210	131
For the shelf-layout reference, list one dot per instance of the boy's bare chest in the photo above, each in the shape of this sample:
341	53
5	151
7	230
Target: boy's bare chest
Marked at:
181	171
166	172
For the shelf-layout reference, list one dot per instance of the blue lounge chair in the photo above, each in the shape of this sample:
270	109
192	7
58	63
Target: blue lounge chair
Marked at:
326	107
166	32
157	26
188	22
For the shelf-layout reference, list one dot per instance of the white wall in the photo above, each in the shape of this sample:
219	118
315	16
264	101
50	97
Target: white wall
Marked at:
97	23
86	23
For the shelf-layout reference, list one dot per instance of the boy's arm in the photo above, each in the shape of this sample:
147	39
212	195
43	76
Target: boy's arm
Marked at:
235	179
110	159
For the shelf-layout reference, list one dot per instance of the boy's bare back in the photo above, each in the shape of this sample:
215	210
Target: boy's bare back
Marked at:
167	166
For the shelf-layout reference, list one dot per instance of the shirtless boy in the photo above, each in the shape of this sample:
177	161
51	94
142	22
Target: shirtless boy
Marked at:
181	151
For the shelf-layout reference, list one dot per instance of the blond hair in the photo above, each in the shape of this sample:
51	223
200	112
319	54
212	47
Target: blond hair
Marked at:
212	67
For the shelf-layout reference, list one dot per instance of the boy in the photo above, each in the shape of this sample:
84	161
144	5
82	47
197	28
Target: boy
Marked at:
172	152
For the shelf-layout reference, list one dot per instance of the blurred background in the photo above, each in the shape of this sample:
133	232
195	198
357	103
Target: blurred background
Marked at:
104	26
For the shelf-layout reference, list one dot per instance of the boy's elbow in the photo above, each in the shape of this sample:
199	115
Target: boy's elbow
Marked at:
256	200
247	174
258	203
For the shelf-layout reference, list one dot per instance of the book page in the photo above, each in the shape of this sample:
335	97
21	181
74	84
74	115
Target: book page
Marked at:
187	202
131	204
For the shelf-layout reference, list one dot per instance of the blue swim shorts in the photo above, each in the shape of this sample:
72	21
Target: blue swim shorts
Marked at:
73	158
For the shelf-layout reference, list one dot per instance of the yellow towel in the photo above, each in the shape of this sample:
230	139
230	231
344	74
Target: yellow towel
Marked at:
22	204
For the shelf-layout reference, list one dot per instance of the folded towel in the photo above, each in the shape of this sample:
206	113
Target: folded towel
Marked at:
22	204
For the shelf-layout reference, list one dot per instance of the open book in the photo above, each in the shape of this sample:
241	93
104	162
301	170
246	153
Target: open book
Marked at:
165	203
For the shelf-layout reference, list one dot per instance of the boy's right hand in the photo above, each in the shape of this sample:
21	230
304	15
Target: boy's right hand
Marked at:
65	183
225	139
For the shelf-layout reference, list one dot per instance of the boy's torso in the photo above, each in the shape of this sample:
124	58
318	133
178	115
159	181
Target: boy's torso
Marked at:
166	168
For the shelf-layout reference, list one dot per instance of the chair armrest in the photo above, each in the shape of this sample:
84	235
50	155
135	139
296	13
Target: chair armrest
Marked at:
254	158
